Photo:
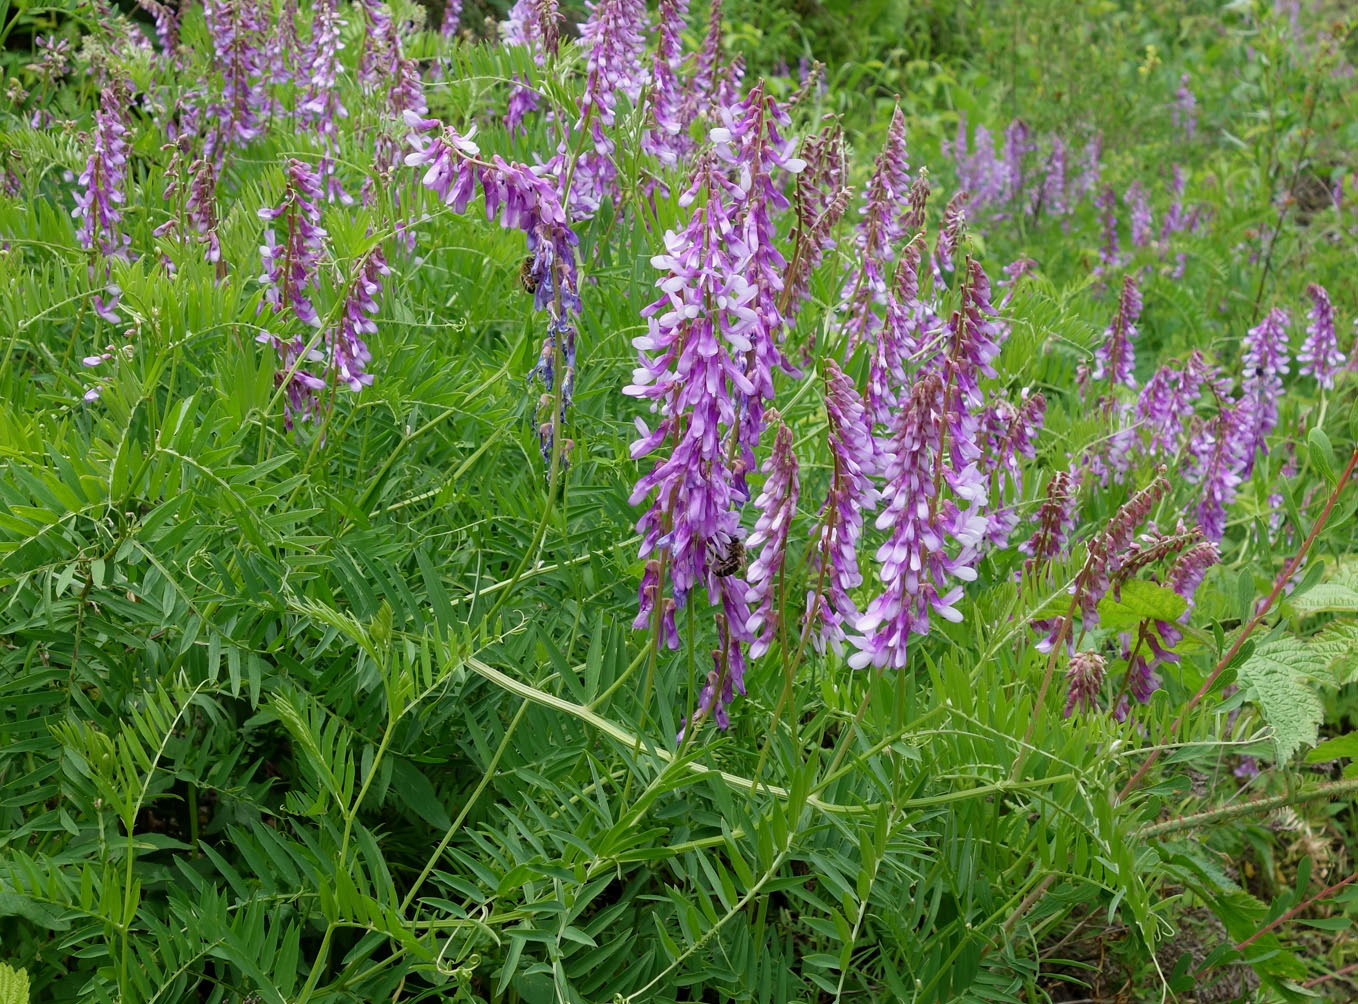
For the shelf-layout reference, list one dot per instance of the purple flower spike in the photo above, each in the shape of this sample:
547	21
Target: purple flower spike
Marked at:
1139	213
1185	109
239	37
691	369
1084	677
1010	434
777	505
1055	520
916	570
836	568
664	139
1265	360
97	206
1116	357
290	267
1320	356
452	18
349	355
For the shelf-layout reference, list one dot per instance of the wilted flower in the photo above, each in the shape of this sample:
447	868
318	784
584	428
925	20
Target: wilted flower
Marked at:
1084	677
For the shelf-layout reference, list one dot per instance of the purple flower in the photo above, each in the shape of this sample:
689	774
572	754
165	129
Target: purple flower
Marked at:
613	37
1016	147
1010	433
1215	462
1053	192
349	355
1139	211
664	139
1265	360
1167	402
97	205
1110	255
452	18
835	561
950	233
290	267
691	370
1091	167
522	197
1320	356
865	287
1084	677
1055	520
1116	357
1185	109
238	31
777	505
704	83
916	569
750	142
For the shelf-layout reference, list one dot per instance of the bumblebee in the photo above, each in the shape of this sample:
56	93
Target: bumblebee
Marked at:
729	561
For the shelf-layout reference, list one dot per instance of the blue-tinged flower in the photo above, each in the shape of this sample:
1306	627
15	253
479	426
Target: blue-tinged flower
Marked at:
1139	212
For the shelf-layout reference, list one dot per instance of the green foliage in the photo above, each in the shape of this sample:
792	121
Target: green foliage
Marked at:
355	712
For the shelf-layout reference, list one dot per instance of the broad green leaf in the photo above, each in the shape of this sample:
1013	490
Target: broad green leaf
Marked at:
1333	749
1280	675
1140	601
1322	455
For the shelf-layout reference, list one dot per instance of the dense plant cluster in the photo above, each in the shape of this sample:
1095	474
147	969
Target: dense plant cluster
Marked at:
549	502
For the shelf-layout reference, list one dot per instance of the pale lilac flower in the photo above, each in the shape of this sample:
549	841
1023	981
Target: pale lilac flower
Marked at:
835	565
703	83
1116	357
777	505
321	108
1084	678
1320	356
